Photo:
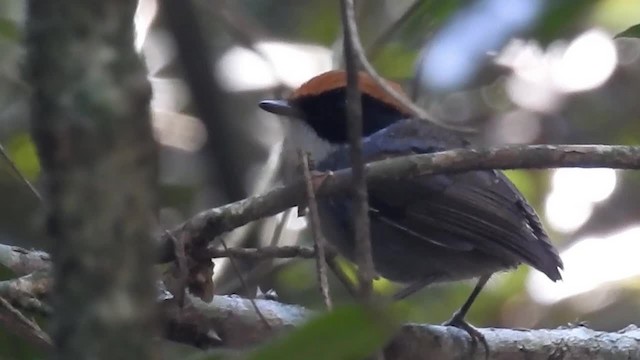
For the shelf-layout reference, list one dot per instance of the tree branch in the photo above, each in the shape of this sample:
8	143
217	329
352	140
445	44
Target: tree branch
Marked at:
22	261
362	236
267	252
208	224
25	292
234	317
16	322
232	322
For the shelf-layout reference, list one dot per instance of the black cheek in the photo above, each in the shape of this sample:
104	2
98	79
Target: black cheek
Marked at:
327	115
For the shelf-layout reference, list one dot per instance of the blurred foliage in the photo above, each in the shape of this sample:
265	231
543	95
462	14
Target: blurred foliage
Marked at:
22	151
561	18
320	23
348	332
395	61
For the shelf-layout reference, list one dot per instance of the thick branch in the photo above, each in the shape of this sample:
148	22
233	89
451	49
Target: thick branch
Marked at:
234	317
22	261
25	292
208	224
231	322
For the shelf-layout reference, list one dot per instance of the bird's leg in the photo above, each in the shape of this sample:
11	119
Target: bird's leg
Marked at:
458	317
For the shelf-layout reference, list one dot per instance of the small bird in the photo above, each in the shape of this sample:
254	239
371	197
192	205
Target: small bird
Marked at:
424	230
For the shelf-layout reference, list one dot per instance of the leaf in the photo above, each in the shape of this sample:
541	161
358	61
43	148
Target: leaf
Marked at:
632	32
350	332
560	17
23	153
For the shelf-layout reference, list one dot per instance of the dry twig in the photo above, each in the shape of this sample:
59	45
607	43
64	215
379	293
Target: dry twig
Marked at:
359	52
19	173
316	229
244	286
14	321
359	185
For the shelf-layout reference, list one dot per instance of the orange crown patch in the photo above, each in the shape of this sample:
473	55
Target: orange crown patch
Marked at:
336	79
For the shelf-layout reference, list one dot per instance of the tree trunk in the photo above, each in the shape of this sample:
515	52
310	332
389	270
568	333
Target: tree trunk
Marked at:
90	121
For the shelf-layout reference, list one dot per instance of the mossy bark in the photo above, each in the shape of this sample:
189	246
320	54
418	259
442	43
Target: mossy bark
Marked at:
90	121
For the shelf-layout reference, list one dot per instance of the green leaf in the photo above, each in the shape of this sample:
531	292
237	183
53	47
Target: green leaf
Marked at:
632	32
23	153
561	17
350	332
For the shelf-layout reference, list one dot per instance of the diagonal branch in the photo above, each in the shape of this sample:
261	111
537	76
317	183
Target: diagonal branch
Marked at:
316	230
208	224
16	322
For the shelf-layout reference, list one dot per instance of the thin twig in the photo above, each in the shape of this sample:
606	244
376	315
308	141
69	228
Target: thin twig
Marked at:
244	286
359	185
360	53
13	319
17	171
278	230
267	252
414	87
182	267
270	252
316	229
387	33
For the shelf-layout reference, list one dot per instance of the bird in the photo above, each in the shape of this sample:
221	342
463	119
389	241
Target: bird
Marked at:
424	230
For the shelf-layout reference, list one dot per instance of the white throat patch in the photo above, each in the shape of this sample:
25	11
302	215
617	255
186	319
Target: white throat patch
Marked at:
300	136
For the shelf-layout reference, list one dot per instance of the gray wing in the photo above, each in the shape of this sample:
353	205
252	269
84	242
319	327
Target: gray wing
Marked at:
471	211
478	210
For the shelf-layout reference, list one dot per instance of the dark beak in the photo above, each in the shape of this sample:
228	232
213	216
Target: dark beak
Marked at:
279	107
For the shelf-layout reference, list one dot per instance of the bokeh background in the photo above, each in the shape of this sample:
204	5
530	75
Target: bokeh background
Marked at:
520	71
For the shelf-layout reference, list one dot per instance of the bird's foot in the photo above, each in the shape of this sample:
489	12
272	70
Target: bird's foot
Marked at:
476	336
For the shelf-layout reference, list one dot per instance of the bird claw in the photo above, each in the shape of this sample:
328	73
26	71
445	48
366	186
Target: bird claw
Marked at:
476	336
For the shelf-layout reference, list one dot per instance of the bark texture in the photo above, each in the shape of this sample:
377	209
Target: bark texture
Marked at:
90	121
